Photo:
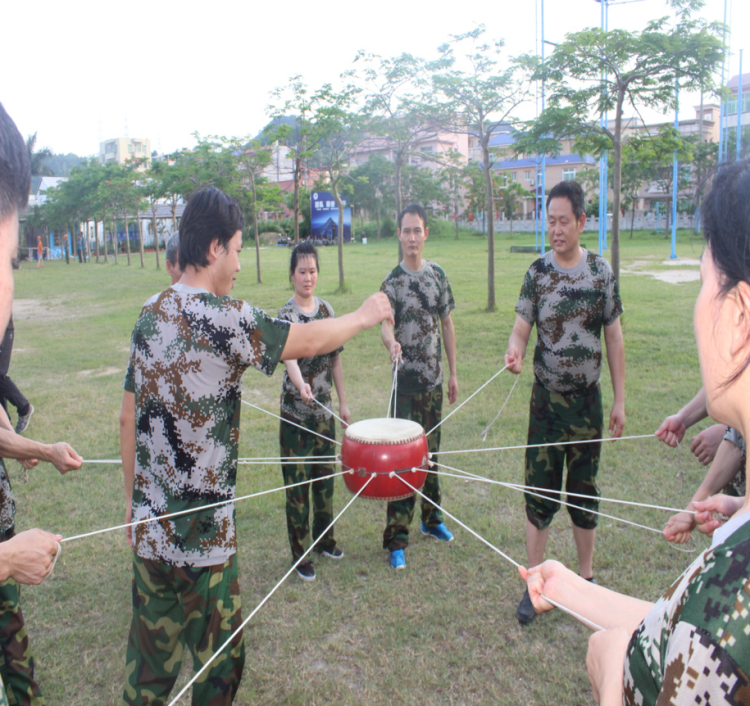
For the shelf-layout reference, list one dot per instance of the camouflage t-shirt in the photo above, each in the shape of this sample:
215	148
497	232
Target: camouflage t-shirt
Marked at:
420	300
693	647
736	486
569	307
188	352
7	503
316	372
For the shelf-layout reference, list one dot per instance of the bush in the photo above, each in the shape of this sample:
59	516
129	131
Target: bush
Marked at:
387	229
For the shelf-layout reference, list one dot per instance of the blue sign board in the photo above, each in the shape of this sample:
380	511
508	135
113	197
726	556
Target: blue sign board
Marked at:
324	217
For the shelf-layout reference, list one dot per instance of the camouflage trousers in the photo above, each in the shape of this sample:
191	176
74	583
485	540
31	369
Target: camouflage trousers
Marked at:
297	442
175	607
17	666
426	409
554	418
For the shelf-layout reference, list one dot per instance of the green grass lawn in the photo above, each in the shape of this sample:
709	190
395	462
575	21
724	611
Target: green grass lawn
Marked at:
444	630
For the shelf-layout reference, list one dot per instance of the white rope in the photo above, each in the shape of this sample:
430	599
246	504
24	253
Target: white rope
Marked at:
197	509
538	446
250	460
268	596
448	416
394	390
473	476
470	476
285	458
102	460
487	428
289	421
330	411
291	459
585	621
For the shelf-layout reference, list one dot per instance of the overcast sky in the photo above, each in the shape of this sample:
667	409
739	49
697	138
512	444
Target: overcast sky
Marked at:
79	72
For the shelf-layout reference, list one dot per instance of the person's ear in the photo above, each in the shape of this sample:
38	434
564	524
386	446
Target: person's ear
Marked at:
739	300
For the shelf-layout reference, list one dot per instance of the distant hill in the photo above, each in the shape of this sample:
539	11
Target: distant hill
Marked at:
62	164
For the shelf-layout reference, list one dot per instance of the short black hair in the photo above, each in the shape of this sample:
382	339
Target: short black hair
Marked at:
209	215
15	172
572	191
302	249
416	210
173	247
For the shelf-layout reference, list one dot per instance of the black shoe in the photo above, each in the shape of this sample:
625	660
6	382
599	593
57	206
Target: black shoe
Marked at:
306	571
525	612
334	553
591	580
23	420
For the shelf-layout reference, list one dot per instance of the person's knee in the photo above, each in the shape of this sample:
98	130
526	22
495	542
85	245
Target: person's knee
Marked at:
540	516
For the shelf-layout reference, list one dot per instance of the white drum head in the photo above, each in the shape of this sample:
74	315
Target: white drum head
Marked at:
384	431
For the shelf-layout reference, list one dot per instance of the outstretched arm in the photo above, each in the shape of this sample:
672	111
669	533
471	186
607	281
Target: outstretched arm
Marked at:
616	361
519	339
29	556
449	341
673	428
326	335
61	455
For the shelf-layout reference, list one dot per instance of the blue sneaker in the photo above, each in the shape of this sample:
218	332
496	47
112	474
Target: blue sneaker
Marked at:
398	560
440	532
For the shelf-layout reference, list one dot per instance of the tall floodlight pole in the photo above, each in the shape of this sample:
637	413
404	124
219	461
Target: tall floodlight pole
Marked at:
602	162
537	162
675	171
722	108
543	194
739	111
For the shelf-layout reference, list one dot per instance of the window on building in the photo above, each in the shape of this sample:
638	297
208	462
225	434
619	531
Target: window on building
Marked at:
569	174
527	176
514	176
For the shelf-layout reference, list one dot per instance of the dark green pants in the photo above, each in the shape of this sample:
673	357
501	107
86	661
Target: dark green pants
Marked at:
296	442
425	408
554	418
175	607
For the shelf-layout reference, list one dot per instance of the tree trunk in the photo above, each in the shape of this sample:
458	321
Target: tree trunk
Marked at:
174	215
140	233
397	165
96	239
490	210
340	204
66	245
116	244
617	185
104	238
255	225
156	234
377	221
127	238
295	202
511	225
632	219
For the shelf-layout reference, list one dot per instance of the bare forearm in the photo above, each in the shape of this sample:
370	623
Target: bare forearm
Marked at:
127	444
616	359
294	373
449	341
338	379
14	446
319	337
695	410
725	466
387	335
4	421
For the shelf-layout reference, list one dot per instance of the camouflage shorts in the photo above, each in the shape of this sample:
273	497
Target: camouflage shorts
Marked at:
175	607
554	418
17	664
426	409
297	442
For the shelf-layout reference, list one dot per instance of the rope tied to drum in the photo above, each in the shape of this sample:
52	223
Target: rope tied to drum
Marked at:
323	534
394	389
585	621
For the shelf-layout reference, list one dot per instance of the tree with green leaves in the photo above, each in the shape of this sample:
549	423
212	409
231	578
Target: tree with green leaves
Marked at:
476	101
291	128
638	69
38	157
371	188
509	200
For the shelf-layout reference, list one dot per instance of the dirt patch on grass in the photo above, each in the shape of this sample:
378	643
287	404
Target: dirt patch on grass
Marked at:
99	372
675	275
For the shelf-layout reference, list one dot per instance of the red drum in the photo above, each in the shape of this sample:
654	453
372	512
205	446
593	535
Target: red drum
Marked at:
382	447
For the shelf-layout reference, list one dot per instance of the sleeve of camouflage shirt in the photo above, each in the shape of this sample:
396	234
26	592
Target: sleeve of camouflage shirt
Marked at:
612	301
527	306
446	303
129	383
263	341
389	290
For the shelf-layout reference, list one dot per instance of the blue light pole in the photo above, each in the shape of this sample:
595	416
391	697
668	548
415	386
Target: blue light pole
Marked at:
544	156
739	111
722	108
675	171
